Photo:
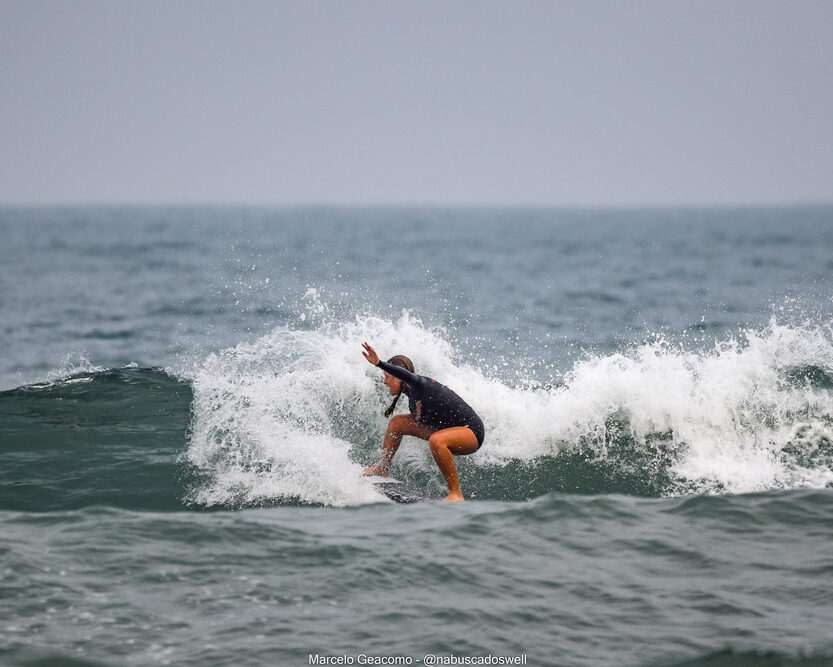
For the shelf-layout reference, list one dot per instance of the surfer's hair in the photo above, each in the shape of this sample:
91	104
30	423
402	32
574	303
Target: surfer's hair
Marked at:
403	362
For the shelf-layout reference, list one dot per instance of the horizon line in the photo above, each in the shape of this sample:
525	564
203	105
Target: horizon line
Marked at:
416	205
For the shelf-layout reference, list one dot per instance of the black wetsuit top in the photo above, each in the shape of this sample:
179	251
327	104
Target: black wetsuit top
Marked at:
435	404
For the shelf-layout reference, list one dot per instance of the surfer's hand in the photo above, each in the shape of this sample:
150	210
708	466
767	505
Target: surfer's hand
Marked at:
376	470
370	355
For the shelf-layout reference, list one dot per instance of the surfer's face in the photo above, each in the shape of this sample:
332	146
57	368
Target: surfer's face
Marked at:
392	384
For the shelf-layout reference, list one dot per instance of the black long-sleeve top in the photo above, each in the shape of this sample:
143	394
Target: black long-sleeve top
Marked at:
433	403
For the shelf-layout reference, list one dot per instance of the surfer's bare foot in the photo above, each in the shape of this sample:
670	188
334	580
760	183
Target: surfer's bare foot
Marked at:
454	497
376	470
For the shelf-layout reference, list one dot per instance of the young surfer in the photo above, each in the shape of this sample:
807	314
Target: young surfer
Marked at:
437	415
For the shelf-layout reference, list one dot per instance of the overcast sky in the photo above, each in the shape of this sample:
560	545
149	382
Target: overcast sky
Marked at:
361	102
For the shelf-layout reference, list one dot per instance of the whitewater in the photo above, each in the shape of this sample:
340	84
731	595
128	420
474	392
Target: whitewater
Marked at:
296	414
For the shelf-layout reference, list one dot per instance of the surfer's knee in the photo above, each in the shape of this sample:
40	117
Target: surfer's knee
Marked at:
436	442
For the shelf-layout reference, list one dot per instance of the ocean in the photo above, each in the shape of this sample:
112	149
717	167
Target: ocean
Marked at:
185	415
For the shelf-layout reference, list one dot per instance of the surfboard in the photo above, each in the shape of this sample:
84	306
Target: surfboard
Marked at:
400	492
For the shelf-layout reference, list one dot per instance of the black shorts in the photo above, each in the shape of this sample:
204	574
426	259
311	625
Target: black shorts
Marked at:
478	429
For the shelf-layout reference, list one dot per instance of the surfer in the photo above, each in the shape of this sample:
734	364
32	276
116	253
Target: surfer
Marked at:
437	415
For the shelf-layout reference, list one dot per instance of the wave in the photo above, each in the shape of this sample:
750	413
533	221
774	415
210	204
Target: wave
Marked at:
295	415
95	437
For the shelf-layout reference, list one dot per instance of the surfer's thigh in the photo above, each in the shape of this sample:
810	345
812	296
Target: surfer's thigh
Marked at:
458	440
407	425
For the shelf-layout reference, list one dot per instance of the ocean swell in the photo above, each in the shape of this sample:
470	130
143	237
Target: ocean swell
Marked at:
294	416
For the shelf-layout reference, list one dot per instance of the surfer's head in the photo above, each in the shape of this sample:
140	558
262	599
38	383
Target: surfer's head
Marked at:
403	362
394	384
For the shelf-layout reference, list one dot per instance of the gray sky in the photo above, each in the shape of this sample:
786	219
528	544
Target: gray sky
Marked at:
359	102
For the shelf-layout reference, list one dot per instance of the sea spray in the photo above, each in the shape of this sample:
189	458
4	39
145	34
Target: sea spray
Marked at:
296	414
728	417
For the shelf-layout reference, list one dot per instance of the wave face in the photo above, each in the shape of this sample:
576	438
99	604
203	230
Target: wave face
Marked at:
295	415
96	437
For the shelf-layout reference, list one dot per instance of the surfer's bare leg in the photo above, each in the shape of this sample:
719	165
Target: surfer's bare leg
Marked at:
444	444
397	427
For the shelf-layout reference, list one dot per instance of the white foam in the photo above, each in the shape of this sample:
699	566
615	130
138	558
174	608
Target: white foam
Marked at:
731	412
293	414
